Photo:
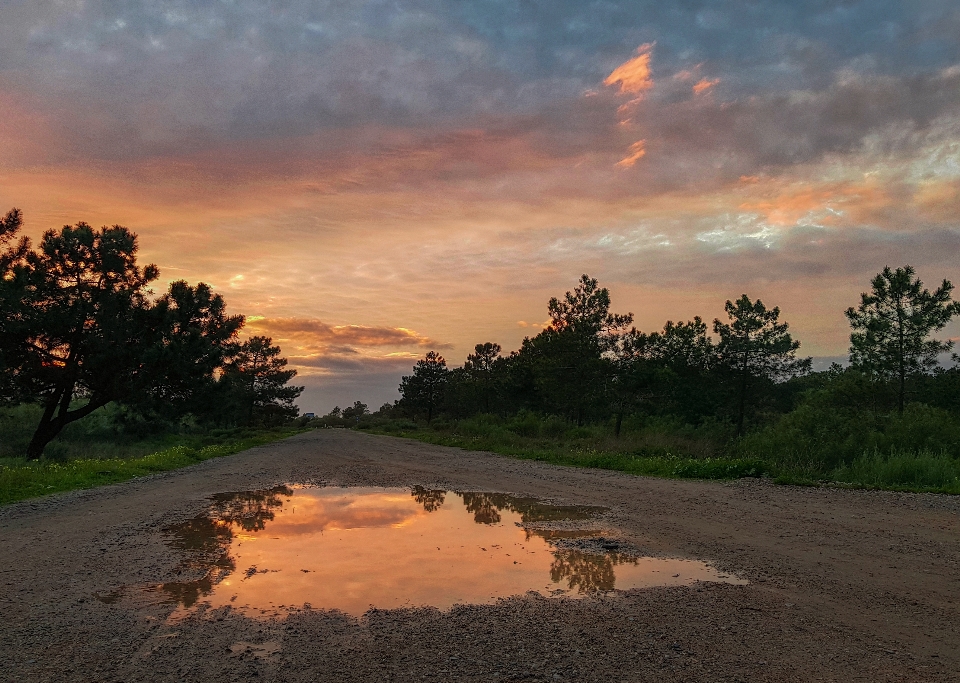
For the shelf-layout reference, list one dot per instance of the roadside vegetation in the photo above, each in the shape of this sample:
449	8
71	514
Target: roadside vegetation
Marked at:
98	463
102	380
591	390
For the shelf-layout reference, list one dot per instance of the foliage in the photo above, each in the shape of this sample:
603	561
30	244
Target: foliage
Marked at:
755	350
658	448
424	390
254	384
28	479
569	369
678	402
78	323
355	412
892	325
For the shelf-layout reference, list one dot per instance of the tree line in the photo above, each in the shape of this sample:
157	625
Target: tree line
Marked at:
80	327
592	365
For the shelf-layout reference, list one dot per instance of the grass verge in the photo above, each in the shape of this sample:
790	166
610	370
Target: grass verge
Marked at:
24	479
657	462
919	471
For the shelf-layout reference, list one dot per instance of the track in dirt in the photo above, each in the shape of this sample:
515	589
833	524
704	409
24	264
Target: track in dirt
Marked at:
846	585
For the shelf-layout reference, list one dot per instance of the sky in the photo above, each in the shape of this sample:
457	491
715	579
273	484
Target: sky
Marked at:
367	181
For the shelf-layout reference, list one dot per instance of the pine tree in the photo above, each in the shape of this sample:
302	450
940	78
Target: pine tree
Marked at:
423	391
258	376
892	325
755	347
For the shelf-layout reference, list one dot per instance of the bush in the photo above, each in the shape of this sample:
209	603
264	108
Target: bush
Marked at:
823	437
525	424
553	427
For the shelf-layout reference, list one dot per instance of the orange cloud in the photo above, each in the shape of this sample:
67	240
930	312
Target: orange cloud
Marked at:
848	202
939	200
636	152
704	84
358	335
634	74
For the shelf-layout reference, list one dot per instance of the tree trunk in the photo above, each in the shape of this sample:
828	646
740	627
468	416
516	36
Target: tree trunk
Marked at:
46	432
901	366
900	398
743	403
616	429
50	426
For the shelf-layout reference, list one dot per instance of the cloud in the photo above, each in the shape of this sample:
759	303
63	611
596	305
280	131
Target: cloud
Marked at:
320	332
633	76
433	170
336	364
703	85
636	152
318	349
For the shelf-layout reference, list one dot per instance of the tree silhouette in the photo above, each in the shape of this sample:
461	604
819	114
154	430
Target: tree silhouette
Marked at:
892	324
480	368
567	359
636	369
355	412
258	377
13	302
78	325
430	499
755	347
423	391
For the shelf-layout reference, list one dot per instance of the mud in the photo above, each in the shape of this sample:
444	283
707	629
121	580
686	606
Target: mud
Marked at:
852	585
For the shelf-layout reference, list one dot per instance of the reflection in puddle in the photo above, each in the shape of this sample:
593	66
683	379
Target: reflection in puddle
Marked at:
355	548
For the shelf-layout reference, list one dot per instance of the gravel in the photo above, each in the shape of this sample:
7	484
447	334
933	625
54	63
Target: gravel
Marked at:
844	585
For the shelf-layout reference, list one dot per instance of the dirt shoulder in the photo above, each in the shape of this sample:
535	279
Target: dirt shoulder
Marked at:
849	585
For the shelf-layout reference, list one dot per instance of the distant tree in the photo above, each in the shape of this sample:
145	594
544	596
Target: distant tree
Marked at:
481	370
685	345
336	412
568	357
636	369
78	326
385	410
356	411
13	293
423	391
755	347
257	375
892	325
688	357
586	311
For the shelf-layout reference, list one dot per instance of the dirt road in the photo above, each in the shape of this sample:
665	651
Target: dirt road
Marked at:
844	585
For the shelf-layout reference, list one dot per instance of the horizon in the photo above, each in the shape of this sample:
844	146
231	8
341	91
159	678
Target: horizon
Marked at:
370	181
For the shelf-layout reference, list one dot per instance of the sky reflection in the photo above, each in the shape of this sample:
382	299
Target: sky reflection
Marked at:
353	549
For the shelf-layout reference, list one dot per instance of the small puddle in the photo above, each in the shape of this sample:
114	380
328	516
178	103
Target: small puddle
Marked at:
351	549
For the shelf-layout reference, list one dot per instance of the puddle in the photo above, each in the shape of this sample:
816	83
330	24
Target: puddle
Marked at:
351	549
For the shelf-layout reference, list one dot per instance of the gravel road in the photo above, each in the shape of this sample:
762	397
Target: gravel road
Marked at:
844	585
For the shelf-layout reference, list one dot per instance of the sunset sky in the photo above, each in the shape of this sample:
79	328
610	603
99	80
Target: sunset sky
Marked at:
367	181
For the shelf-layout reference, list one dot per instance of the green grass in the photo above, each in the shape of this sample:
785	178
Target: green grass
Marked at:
652	454
662	451
902	471
21	479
